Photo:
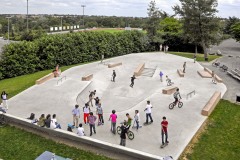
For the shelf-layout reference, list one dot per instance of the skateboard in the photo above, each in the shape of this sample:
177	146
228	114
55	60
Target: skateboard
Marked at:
136	127
163	146
147	123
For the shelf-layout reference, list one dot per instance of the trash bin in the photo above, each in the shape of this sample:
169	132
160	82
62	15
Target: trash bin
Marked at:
238	97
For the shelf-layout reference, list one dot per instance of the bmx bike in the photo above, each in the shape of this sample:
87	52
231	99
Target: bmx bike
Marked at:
173	104
130	134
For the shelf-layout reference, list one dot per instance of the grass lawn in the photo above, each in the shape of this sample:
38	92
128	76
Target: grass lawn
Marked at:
15	85
200	57
17	144
220	140
109	30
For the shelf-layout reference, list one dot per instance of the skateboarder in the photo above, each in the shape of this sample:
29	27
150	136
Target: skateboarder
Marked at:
195	58
214	78
132	81
164	125
184	67
148	111
113	76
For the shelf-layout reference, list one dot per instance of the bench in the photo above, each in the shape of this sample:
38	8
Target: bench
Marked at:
139	69
224	68
204	74
111	65
180	72
87	77
45	78
211	104
169	90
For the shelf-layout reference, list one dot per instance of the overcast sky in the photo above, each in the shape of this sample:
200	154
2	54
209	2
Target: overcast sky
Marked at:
135	8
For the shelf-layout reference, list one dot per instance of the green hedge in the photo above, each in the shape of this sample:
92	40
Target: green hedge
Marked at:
67	49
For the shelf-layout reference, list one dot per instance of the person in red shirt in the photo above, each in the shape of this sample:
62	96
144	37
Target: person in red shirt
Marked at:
164	125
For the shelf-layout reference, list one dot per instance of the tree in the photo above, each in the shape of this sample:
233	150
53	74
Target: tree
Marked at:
153	23
200	24
235	30
229	23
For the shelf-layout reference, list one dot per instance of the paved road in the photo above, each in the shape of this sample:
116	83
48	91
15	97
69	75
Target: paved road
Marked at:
231	58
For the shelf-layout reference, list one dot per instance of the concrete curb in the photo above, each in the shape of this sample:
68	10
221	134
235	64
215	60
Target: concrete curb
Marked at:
68	137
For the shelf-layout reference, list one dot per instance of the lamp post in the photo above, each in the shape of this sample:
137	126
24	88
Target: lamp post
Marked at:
27	15
8	28
83	13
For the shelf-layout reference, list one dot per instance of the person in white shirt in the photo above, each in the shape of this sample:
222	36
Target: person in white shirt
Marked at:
4	99
54	124
80	130
148	111
86	111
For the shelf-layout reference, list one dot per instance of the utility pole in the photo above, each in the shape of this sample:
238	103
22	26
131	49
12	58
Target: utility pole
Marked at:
83	13
27	15
8	28
61	24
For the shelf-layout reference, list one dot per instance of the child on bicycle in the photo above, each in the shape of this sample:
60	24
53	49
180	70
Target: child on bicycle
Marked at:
169	81
129	121
176	95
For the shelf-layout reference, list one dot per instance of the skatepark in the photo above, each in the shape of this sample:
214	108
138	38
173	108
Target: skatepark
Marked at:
59	96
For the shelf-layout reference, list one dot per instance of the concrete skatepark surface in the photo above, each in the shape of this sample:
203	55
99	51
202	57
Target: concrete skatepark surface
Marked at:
50	98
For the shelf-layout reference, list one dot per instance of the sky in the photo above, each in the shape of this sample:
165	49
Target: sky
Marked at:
127	8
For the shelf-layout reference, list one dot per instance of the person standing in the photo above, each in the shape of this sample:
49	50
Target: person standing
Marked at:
167	48
136	119
148	111
123	136
113	118
100	114
132	81
97	101
184	67
4	99
160	47
164	125
86	111
113	76
92	120
91	97
194	58
161	75
76	115
129	120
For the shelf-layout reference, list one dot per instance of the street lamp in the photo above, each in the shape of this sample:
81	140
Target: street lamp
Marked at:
8	28
27	15
83	13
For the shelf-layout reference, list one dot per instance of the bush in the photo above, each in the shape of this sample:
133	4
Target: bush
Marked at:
67	49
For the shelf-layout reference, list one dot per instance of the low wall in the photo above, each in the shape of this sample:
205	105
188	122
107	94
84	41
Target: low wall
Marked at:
85	143
45	78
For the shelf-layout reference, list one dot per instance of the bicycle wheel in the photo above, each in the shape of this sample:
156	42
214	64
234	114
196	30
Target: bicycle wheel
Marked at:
180	104
119	130
171	105
130	135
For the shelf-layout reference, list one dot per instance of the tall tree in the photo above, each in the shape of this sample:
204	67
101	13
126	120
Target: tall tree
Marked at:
152	26
200	24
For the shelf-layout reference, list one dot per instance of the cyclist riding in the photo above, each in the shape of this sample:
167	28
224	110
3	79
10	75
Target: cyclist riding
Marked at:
176	95
169	81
